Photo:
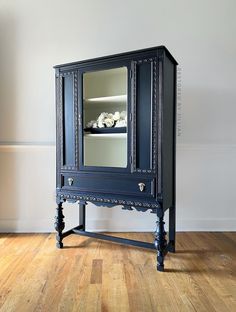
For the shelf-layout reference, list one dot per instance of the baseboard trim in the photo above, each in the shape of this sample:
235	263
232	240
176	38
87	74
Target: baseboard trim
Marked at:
26	226
106	225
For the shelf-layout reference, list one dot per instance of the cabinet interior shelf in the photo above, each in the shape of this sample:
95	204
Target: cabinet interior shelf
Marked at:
107	99
106	135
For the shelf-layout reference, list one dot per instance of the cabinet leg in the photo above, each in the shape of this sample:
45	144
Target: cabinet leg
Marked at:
82	215
160	243
172	221
59	225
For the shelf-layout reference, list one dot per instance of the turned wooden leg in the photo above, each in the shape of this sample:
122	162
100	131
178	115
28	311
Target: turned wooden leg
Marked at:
59	225
172	229
82	215
160	243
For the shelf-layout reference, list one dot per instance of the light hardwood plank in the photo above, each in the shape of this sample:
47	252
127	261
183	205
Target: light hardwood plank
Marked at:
93	275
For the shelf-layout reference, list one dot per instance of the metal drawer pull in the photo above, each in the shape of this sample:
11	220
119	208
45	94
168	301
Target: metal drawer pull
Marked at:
141	186
70	181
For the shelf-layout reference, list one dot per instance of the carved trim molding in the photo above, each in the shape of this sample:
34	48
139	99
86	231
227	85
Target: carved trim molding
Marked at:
75	91
90	198
159	125
134	92
153	210
60	117
153	61
154	117
75	96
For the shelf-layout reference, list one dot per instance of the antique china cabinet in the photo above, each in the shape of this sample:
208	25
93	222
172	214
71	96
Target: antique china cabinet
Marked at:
116	140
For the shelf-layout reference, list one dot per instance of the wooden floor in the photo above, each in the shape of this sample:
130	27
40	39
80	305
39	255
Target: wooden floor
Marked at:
94	275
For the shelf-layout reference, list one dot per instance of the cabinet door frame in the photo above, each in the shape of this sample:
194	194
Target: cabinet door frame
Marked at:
153	61
80	132
60	110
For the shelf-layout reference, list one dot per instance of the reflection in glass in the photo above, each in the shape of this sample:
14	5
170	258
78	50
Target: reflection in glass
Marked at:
105	118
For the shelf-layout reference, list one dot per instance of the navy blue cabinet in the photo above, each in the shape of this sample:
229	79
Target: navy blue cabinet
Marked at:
116	139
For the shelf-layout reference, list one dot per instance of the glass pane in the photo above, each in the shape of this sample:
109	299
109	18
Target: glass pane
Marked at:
105	118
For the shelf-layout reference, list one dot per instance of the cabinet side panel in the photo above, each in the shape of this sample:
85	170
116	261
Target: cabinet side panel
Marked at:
144	116
68	120
58	127
169	133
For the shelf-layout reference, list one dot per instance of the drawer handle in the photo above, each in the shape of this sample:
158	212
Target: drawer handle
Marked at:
70	181
141	186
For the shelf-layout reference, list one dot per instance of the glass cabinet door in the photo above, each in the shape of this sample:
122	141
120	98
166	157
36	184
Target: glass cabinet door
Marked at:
105	118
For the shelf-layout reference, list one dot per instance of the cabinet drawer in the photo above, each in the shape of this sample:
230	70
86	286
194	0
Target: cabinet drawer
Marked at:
108	185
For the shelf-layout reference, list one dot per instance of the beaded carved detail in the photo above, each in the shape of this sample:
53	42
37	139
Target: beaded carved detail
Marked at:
75	91
69	197
153	62
75	96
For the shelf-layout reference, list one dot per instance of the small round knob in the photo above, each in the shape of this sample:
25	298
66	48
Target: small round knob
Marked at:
141	186
70	181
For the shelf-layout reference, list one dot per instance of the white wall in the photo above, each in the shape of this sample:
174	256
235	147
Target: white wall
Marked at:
35	35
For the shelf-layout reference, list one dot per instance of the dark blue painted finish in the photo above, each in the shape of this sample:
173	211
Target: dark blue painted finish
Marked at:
118	185
151	143
126	55
169	133
144	116
68	118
